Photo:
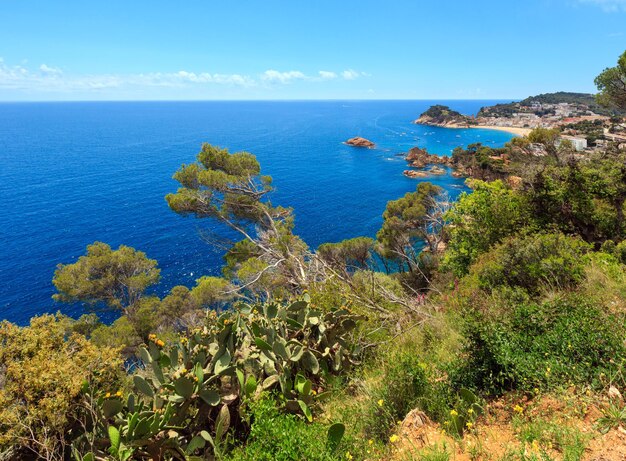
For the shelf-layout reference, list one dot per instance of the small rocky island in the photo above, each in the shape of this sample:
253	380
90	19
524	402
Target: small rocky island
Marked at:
360	142
443	116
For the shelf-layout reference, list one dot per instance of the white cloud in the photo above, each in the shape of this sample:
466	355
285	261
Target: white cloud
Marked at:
52	79
282	77
327	75
50	70
607	5
351	74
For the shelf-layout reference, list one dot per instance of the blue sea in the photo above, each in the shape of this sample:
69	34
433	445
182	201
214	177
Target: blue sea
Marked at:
75	173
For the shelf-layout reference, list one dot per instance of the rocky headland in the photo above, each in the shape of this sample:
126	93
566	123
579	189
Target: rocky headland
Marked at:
443	116
360	142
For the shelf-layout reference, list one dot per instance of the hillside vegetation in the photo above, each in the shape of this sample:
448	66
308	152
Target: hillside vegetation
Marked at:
489	328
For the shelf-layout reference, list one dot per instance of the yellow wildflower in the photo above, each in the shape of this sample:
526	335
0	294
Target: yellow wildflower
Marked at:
107	395
470	411
160	343
348	455
118	393
454	413
370	441
394	438
380	402
469	425
518	409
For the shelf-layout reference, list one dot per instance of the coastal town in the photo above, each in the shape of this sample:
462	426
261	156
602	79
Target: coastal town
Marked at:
572	118
579	119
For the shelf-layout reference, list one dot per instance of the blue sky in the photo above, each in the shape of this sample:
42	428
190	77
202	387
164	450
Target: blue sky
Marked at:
296	49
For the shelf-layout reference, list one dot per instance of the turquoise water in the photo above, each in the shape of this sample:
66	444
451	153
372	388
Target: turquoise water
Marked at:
73	173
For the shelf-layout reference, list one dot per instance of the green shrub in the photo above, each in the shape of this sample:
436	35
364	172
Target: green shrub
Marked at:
540	344
43	368
402	387
482	219
275	436
533	262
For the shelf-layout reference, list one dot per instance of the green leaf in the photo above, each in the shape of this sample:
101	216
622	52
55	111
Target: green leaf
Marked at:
174	356
196	443
199	372
294	323
143	386
155	352
261	344
303	386
142	428
111	407
305	409
89	457
297	306
114	437
297	353
240	378
222	362
132	422
210	396
206	436
335	434
158	372
467	396
145	355
271	310
184	387
310	362
228	371
251	386
280	350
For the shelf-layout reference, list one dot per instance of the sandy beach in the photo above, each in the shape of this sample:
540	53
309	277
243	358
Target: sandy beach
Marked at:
510	129
518	131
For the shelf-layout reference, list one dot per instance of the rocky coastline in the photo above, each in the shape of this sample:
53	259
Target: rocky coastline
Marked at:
420	158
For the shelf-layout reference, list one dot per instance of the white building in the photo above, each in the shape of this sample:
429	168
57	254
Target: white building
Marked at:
578	143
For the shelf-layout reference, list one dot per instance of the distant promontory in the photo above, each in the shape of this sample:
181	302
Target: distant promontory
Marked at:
443	116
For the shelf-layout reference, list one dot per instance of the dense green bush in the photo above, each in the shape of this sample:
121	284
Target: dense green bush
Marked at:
275	436
530	345
482	219
533	263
